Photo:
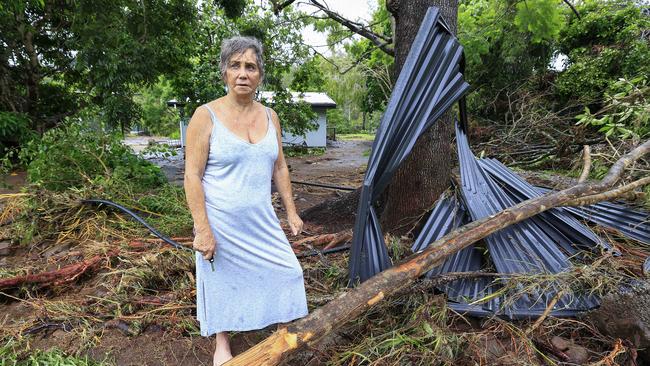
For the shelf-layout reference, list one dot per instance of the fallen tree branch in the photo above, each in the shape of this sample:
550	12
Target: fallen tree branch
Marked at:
63	275
379	40
546	312
609	195
352	303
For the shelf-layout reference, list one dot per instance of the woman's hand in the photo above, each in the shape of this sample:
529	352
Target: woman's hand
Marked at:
205	243
295	223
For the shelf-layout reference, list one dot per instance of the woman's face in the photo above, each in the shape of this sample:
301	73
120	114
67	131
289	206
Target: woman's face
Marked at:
242	73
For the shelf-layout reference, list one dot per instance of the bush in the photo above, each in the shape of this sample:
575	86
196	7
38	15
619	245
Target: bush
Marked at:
14	130
626	111
74	154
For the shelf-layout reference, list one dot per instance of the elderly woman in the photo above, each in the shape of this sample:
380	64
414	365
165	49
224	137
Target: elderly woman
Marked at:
233	149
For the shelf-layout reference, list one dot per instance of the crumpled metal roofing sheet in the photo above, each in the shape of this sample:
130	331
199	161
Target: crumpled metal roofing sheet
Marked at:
631	223
559	222
429	83
480	193
520	248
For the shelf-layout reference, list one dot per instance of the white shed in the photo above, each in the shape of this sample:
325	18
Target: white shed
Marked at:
320	103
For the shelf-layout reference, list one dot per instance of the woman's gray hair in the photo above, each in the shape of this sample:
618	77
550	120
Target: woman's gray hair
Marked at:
237	45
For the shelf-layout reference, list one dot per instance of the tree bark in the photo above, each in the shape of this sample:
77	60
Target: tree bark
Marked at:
352	303
426	172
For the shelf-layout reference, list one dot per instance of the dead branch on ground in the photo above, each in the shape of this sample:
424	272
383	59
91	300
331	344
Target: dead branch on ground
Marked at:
350	304
66	274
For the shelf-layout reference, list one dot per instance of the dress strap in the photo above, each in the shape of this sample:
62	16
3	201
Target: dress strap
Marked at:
270	121
212	116
215	123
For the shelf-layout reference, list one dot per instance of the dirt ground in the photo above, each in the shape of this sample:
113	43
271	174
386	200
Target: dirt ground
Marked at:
342	164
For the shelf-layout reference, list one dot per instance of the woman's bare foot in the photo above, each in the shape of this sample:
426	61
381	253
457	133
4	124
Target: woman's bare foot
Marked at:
222	352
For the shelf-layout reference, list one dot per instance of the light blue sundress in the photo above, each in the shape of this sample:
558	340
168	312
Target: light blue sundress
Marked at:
257	279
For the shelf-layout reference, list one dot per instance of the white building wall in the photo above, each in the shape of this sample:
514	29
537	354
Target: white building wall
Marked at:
313	138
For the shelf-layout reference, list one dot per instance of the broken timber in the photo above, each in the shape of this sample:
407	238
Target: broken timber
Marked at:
355	301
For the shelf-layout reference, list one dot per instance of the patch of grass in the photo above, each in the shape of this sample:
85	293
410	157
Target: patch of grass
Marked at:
12	353
296	151
356	136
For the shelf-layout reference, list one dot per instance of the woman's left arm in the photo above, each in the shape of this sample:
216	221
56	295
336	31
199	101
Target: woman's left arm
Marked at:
283	181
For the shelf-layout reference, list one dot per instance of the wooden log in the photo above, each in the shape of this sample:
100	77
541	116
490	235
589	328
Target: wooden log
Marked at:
350	304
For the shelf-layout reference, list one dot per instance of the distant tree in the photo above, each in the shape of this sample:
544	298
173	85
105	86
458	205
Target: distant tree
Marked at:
156	116
308	77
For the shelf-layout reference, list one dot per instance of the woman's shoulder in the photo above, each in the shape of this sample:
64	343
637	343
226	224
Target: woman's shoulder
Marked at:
201	118
216	103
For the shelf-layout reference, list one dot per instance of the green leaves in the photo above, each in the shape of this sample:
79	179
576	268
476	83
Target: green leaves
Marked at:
296	118
603	46
625	113
14	130
506	43
89	52
76	154
541	18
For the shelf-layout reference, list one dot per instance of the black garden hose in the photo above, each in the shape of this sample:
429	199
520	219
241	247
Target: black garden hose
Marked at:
139	219
177	245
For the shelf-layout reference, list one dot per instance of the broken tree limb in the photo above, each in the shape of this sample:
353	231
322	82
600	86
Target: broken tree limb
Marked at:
350	304
65	274
339	238
330	240
586	167
611	194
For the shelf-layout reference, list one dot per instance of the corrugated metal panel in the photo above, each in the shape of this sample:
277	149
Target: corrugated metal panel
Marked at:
429	83
522	248
518	249
634	224
558	222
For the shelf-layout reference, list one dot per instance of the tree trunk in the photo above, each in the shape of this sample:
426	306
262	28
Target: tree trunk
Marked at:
426	172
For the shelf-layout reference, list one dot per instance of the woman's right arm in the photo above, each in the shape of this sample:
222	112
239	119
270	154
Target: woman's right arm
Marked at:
197	147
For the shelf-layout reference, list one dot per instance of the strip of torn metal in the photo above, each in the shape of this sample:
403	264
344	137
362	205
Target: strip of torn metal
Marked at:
447	215
429	83
519	248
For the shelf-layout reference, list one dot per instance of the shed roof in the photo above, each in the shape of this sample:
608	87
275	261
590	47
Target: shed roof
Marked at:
316	99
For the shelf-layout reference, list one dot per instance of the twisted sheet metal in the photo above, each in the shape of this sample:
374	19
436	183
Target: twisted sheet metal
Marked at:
428	85
558	221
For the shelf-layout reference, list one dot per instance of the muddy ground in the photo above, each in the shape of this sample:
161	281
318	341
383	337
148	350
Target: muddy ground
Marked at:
161	329
342	164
